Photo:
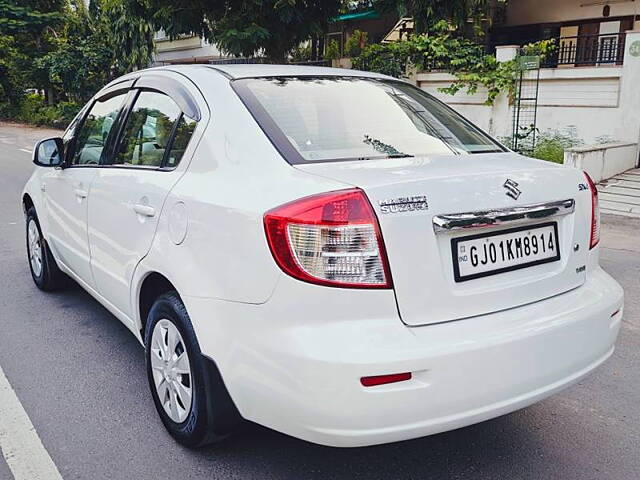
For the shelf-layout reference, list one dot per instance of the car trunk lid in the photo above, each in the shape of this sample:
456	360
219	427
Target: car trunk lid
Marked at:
416	192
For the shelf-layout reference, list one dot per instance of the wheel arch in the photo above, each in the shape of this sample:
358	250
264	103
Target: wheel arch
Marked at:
152	285
27	203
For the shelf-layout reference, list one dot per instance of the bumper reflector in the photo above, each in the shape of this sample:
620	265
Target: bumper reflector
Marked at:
384	379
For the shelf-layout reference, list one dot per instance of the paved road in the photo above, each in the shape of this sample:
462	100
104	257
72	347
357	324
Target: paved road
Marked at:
79	375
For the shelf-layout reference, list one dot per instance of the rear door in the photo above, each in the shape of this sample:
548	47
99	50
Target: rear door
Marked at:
128	193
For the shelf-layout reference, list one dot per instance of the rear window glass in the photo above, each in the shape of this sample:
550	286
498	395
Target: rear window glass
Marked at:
342	118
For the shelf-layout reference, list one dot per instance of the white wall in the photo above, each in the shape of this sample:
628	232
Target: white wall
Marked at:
524	12
585	99
603	161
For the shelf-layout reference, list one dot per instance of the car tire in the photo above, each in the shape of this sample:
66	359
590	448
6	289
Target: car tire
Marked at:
44	270
211	415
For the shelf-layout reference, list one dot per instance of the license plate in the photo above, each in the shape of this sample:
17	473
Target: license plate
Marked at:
485	254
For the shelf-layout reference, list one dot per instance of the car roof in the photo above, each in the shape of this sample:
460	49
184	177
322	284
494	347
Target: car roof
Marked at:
261	70
252	70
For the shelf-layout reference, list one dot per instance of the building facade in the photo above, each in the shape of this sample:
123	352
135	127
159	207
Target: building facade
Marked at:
186	49
589	32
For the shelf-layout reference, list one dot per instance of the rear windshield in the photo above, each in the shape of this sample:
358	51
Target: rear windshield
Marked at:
345	118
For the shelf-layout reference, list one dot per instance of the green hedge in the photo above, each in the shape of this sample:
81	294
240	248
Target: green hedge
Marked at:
551	144
33	110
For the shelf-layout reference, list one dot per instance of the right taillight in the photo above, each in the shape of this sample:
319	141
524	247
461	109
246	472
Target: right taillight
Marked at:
330	239
595	213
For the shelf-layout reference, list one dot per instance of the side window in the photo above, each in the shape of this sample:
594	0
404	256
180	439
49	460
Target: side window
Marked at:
154	121
184	130
94	132
72	130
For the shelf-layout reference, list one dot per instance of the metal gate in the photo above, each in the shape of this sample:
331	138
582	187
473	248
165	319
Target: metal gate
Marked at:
525	106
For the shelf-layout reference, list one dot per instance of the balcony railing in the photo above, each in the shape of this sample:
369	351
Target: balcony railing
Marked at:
588	50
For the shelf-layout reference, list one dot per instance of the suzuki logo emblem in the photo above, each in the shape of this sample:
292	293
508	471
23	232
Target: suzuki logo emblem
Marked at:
512	189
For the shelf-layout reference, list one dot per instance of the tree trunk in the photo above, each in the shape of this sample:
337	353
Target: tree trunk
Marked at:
276	54
51	97
314	48
321	47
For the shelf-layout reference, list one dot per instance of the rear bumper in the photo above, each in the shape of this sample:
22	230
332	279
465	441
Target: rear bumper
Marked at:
296	368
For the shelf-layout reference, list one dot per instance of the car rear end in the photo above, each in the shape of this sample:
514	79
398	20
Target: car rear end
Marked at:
435	290
307	362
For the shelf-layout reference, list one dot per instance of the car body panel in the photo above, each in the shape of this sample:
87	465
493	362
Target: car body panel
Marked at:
119	236
66	209
234	177
421	259
309	357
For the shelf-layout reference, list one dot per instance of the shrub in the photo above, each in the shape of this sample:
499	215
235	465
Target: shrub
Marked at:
444	50
550	145
302	53
8	110
332	52
439	50
386	58
32	109
355	44
67	112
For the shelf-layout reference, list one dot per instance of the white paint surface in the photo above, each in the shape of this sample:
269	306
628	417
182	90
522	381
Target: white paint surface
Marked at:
603	161
588	99
20	444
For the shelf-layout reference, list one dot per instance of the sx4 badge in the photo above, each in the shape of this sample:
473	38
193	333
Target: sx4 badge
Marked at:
404	204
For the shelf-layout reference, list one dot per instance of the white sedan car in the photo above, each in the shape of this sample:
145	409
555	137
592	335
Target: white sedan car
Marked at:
333	254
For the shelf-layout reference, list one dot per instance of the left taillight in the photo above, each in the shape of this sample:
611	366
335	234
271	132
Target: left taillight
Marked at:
330	239
595	213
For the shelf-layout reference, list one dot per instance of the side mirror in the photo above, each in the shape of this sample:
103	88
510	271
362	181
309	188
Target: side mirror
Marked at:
48	152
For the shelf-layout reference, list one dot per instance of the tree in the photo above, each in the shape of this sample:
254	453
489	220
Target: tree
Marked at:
32	26
463	14
128	28
80	60
29	17
78	67
12	79
247	27
70	48
99	41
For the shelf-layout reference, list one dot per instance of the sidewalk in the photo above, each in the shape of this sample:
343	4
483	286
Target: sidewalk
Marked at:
620	195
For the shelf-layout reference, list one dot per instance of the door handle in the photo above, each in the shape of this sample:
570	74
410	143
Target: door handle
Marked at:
81	193
144	210
43	187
